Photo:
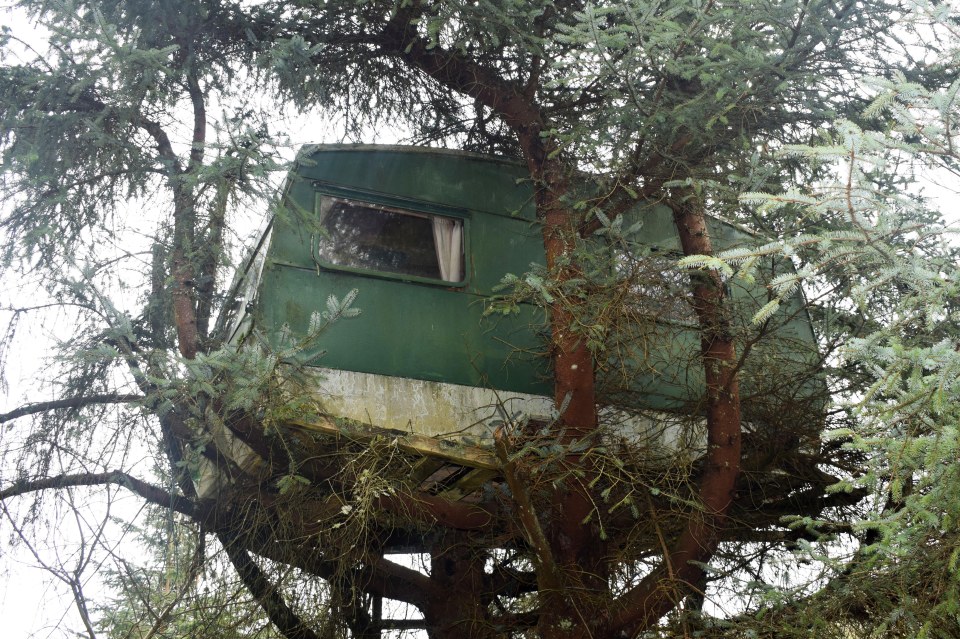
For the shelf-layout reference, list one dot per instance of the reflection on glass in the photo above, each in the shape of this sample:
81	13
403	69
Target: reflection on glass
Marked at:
657	288
368	236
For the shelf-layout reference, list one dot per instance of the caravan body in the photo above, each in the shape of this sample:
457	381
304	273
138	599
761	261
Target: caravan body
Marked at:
426	237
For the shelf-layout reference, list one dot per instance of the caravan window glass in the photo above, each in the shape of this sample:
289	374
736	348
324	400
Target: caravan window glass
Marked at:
657	289
368	236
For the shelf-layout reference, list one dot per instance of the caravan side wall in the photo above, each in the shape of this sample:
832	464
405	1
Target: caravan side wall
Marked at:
414	329
421	348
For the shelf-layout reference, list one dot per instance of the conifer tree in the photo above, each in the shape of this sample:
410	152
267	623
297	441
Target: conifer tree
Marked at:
135	135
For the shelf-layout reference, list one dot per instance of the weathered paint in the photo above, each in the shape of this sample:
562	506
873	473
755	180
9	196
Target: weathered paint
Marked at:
469	414
449	411
413	329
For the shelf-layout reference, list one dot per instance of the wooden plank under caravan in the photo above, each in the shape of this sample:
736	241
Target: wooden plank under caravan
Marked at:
426	237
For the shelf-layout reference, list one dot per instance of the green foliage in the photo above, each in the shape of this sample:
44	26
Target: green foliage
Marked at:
172	588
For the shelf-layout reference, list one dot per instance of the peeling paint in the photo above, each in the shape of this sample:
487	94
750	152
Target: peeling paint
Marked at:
436	409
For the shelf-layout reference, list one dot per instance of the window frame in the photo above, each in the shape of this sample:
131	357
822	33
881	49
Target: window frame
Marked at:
399	205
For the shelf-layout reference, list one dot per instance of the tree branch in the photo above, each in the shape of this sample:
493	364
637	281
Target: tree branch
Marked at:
549	576
661	590
379	576
280	614
151	493
70	402
199	121
390	579
212	243
434	510
193	573
453	71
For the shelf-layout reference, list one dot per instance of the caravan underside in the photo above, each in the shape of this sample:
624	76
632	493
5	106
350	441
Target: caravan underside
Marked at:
452	426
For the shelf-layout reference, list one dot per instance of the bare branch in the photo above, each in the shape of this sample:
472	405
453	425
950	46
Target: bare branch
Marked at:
70	402
151	493
550	578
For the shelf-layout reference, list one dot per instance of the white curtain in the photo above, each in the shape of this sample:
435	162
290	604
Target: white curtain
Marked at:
448	238
322	207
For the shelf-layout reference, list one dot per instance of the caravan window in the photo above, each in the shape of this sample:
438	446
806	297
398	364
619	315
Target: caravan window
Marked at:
657	289
368	236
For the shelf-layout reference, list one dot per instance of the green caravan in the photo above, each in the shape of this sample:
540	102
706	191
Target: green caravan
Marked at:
426	238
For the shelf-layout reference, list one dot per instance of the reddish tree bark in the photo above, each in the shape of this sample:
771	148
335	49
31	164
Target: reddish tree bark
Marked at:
681	570
574	547
575	608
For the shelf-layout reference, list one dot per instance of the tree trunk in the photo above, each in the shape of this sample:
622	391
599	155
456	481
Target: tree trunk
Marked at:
681	570
457	571
577	606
